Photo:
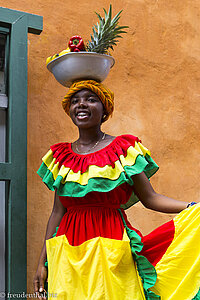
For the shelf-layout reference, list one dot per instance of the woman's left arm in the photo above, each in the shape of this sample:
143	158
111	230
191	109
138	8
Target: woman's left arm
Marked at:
152	200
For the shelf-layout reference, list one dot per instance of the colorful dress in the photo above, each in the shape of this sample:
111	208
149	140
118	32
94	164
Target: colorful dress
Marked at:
96	253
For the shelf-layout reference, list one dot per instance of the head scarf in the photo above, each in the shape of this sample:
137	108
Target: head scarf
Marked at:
105	95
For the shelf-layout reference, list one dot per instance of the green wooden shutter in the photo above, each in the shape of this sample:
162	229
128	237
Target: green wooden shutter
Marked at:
13	171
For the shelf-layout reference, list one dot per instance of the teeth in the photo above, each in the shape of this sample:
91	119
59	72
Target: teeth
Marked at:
82	114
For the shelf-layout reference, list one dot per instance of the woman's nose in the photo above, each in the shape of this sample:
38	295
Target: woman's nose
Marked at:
82	102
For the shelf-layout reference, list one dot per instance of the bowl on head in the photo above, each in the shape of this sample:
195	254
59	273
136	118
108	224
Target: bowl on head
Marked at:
73	66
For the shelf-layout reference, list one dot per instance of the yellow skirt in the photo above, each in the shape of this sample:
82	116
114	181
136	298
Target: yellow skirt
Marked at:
98	269
178	272
103	268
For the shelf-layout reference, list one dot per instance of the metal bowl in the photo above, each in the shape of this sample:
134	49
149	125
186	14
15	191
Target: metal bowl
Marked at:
80	65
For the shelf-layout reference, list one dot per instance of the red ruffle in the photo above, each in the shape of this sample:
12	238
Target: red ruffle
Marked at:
106	156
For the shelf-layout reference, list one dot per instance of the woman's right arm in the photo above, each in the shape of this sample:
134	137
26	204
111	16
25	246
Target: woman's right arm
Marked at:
57	213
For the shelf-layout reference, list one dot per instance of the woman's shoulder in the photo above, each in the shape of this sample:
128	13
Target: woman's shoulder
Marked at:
124	141
129	138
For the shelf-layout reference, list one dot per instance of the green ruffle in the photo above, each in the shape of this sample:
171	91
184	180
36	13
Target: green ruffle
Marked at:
74	189
197	297
146	270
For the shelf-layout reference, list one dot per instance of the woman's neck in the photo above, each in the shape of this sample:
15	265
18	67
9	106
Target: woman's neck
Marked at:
89	135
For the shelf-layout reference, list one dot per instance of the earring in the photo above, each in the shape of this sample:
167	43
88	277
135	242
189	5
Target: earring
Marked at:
103	118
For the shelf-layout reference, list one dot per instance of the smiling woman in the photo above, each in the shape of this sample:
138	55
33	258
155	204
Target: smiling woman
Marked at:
87	111
105	95
87	107
96	253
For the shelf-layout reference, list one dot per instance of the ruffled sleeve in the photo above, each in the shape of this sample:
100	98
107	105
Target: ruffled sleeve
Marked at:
75	175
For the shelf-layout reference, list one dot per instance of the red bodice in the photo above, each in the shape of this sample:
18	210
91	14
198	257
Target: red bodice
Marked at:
94	215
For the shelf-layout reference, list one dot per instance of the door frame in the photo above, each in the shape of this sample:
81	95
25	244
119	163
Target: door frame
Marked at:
14	170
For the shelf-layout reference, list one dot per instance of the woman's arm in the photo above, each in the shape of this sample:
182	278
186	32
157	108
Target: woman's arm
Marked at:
152	200
57	213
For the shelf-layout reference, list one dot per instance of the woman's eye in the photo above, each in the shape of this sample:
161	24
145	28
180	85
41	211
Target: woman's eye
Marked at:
92	99
74	101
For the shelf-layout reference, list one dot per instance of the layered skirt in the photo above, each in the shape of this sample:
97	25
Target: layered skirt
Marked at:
114	261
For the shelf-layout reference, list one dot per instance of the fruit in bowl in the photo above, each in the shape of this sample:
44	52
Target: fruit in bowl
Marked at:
81	65
92	61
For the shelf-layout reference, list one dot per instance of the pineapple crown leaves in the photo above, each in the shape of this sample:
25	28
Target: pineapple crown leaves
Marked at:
106	33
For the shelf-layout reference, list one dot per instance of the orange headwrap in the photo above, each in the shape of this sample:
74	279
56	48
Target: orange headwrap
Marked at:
104	94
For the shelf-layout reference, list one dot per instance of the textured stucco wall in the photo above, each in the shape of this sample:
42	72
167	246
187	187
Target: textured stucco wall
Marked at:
156	82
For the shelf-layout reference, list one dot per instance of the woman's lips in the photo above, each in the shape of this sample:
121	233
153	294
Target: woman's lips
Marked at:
82	115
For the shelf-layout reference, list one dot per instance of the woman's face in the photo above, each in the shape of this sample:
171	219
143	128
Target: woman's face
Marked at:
86	109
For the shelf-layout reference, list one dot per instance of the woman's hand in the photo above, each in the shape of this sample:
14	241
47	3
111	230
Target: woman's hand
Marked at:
39	281
152	200
57	213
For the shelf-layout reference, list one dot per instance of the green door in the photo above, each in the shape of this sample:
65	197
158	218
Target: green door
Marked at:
14	28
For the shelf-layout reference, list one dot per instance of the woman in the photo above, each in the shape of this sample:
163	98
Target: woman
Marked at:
96	253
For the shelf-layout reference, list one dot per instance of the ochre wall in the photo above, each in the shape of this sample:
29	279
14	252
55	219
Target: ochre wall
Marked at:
156	82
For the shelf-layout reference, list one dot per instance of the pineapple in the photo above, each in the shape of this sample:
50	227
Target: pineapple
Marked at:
106	33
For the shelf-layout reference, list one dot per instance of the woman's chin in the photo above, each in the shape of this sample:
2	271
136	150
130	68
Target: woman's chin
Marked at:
86	122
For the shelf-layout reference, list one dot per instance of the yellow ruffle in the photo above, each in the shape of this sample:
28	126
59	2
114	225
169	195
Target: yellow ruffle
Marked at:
93	171
179	269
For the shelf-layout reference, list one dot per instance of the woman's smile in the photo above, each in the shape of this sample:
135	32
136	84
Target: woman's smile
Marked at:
82	114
